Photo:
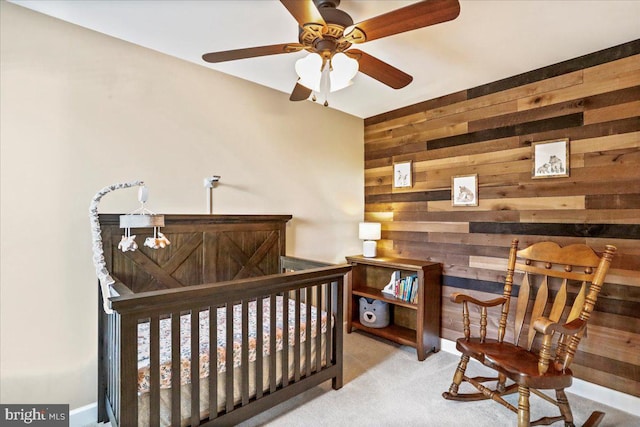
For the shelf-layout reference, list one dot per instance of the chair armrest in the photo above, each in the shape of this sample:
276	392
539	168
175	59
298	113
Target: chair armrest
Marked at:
463	299
459	298
546	326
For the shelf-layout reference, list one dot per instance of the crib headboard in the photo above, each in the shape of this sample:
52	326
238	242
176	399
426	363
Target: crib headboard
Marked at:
203	249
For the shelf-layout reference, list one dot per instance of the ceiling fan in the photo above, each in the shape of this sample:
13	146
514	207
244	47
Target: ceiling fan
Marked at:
329	33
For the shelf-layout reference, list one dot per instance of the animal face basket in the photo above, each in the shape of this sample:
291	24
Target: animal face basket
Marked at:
374	313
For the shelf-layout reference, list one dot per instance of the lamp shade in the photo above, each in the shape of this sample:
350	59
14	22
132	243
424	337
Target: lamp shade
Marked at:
369	231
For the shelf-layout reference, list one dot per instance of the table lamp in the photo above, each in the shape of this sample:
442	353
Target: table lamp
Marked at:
369	232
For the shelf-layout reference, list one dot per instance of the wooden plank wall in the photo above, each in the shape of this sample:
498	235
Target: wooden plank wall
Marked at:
593	100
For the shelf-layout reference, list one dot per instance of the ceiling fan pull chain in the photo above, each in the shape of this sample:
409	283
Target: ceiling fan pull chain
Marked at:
325	81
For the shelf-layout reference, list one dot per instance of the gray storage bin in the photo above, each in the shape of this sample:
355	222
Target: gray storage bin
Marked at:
374	313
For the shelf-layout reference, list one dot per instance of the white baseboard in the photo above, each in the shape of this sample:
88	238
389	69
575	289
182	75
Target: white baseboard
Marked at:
615	399
84	416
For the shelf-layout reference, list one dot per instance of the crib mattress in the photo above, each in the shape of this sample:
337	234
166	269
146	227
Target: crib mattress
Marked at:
185	340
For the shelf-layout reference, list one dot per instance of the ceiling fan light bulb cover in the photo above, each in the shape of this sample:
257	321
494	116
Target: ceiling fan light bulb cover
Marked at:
343	70
309	69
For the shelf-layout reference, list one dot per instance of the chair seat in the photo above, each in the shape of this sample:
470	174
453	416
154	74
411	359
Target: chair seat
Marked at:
517	363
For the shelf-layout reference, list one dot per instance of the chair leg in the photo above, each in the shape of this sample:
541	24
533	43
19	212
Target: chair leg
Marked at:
565	409
502	379
523	407
457	377
595	419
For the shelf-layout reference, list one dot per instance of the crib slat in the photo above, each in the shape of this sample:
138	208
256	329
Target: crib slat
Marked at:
175	369
111	391
195	367
154	373
319	328
328	308
106	339
128	350
259	346
213	362
103	371
116	357
229	358
113	362
337	337
272	342
285	339
245	353
307	330
296	353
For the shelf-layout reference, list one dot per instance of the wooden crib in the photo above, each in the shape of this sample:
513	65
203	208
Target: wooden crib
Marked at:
223	279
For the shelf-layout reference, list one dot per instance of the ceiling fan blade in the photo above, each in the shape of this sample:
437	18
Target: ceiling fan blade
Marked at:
379	70
412	17
300	93
251	52
307	15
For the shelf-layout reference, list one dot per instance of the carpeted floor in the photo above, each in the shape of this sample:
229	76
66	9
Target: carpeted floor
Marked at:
385	385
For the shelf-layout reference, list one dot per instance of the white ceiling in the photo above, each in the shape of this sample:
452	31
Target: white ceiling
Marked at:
489	41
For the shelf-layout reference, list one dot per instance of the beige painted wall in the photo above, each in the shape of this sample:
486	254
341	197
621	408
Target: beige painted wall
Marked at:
79	111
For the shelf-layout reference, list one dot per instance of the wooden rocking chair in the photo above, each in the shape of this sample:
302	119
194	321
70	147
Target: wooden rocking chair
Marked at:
534	360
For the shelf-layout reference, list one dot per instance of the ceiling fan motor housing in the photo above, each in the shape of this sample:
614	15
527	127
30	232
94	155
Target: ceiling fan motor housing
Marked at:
326	3
327	43
335	16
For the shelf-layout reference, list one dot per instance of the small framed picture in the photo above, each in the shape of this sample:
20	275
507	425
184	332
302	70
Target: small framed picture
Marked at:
402	174
550	158
464	190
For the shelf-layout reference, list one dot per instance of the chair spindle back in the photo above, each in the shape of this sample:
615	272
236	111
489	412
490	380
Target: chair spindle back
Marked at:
552	273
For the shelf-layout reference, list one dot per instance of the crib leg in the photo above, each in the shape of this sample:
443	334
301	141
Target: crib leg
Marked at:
336	382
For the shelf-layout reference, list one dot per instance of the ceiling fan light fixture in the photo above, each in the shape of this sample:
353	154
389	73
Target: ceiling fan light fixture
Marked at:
309	69
342	70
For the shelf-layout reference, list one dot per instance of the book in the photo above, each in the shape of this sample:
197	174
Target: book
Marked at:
405	289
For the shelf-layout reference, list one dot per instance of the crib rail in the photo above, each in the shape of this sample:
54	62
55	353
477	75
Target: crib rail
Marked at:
290	263
322	287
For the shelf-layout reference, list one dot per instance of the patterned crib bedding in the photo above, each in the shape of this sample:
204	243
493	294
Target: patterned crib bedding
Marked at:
204	369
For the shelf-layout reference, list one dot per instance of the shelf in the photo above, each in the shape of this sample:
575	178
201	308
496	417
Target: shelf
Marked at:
395	333
377	294
414	324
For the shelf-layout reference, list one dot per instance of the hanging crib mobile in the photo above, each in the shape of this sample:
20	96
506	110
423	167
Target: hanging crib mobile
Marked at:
139	218
142	218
